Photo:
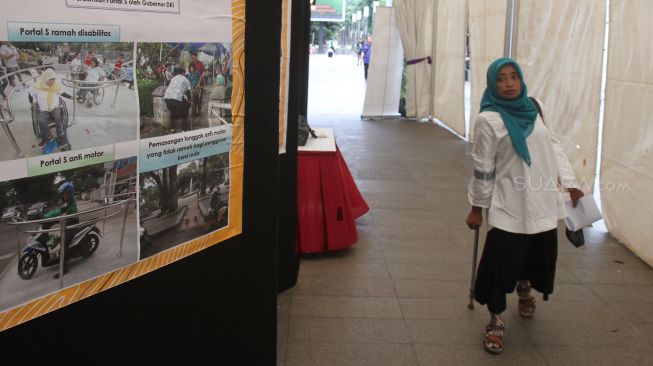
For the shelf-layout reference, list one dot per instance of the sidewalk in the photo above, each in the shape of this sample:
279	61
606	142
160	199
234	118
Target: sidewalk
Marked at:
399	296
158	225
204	204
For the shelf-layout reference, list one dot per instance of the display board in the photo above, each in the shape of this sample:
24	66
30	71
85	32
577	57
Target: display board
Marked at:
284	83
328	11
122	143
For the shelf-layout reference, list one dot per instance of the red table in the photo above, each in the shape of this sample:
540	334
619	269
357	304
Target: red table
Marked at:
328	202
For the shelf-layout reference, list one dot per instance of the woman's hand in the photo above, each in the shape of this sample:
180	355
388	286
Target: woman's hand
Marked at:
575	195
475	218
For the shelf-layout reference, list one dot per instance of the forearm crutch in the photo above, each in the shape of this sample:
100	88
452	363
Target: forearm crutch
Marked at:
473	280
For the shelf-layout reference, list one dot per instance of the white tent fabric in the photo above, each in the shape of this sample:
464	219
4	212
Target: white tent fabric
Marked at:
627	163
487	19
415	20
560	50
448	91
386	65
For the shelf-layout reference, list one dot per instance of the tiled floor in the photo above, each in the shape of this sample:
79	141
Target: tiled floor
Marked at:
399	296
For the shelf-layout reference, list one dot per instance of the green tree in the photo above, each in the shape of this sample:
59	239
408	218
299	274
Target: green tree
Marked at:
166	183
190	174
152	56
85	178
35	189
331	30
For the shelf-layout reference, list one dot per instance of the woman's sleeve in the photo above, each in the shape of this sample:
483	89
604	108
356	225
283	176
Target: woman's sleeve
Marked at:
484	152
565	171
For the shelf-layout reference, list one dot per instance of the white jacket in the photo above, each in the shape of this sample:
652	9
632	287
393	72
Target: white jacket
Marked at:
41	97
521	199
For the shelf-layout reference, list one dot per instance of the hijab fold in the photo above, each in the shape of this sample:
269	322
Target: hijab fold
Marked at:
42	84
518	114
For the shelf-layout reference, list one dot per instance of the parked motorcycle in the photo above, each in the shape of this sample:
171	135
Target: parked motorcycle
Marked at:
83	244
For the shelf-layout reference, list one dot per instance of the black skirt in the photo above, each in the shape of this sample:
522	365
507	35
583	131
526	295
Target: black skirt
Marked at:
509	257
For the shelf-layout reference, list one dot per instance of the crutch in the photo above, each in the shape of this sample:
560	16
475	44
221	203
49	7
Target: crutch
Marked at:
473	280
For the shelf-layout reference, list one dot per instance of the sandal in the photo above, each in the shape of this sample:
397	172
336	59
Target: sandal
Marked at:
527	307
493	342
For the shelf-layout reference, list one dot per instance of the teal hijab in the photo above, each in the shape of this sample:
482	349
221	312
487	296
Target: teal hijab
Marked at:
518	114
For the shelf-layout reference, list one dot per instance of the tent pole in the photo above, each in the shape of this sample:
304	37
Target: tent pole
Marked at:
434	58
512	20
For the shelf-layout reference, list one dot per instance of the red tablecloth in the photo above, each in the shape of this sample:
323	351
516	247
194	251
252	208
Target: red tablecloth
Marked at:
328	202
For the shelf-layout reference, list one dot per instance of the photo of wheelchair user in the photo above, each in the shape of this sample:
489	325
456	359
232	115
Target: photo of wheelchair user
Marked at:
48	109
42	113
90	93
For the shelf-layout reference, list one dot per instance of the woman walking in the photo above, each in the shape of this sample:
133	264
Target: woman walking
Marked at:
519	171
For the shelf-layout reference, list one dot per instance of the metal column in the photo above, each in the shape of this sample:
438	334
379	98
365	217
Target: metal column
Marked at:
512	20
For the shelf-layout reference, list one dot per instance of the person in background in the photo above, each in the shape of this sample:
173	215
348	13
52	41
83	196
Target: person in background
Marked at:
519	171
167	73
94	74
130	77
367	54
331	52
359	52
118	65
177	97
3	82
77	60
9	56
193	75
199	66
89	57
219	78
76	70
227	66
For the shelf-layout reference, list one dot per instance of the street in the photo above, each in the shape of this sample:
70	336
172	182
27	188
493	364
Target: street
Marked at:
336	81
95	126
14	290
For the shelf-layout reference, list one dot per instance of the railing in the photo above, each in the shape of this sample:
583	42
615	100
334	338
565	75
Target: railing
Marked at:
63	227
217	111
6	120
77	84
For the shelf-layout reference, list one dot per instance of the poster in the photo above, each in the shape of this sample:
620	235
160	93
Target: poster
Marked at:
328	11
284	85
121	142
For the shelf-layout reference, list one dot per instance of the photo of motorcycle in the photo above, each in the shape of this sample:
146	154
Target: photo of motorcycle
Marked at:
84	242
